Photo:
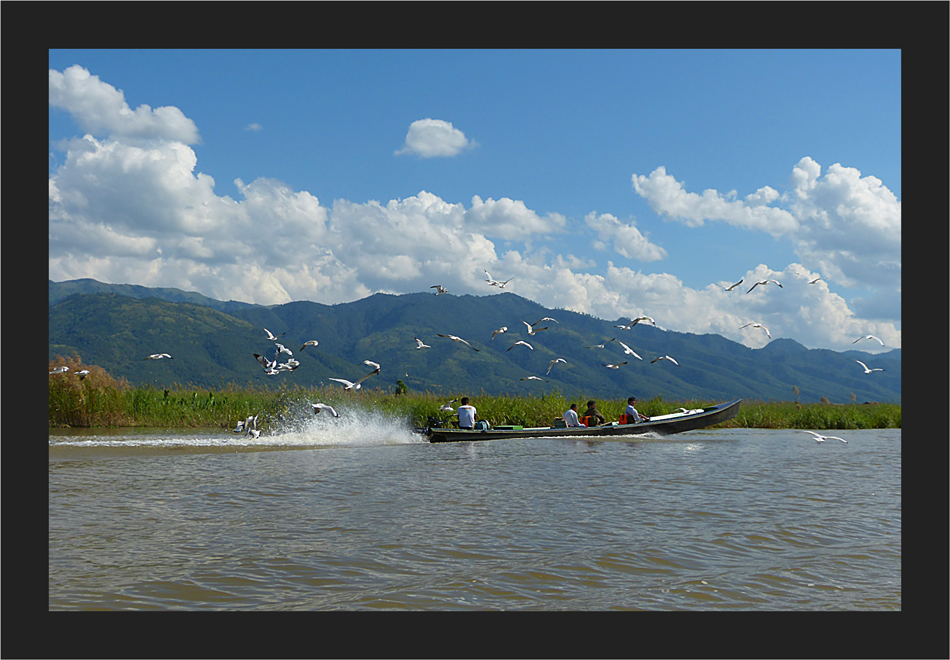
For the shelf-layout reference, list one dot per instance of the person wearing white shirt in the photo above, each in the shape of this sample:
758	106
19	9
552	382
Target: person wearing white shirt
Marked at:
632	413
467	414
570	416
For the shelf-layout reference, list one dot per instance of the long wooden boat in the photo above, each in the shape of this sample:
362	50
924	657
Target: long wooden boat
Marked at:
660	424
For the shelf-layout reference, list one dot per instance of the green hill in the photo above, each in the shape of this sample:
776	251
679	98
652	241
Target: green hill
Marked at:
213	345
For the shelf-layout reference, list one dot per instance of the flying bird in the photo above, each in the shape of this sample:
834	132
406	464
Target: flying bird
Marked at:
635	321
730	288
420	344
821	438
349	385
447	407
866	369
320	407
814	280
493	282
763	283
312	342
868	337
246	425
614	366
546	318
629	351
604	344
665	357
534	378
59	370
531	331
439	289
158	356
272	336
523	343
372	364
454	338
757	325
82	374
282	349
553	362
499	331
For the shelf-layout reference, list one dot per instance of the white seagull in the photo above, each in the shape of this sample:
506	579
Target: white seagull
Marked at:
447	407
868	370
534	378
349	385
82	374
613	366
868	337
635	321
283	349
59	370
319	407
454	338
821	438
375	365
629	351
272	336
531	331
757	325
665	357
523	343
730	288
493	282
553	362
420	344
499	331
439	289
764	282
546	318
604	344
814	280
158	356
312	342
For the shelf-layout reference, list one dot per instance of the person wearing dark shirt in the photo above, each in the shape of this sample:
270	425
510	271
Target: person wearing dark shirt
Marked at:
596	419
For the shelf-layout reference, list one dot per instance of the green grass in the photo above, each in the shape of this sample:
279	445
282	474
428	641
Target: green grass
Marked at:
101	401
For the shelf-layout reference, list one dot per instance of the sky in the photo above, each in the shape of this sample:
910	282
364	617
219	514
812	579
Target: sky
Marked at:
613	183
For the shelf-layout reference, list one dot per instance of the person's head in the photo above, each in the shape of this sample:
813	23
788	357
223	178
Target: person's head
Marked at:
464	400
632	400
574	407
590	404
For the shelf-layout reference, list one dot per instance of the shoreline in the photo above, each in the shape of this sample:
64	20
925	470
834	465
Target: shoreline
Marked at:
79	405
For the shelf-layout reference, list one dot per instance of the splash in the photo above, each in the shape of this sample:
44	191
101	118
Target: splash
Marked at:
356	426
297	427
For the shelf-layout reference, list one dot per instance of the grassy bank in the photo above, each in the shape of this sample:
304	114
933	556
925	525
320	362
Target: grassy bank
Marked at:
98	400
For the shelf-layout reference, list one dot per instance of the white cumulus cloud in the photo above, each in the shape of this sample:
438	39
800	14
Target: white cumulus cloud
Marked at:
626	238
99	108
430	138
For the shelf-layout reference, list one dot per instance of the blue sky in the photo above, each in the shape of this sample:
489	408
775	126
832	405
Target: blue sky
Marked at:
615	183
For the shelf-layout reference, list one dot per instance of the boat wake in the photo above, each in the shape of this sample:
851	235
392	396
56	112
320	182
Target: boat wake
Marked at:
297	428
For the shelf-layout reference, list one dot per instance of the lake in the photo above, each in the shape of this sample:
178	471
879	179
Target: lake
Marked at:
335	515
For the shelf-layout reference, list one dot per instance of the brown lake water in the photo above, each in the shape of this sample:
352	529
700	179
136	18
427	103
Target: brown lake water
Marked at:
339	516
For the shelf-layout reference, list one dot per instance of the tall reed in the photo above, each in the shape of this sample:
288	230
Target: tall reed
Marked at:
98	400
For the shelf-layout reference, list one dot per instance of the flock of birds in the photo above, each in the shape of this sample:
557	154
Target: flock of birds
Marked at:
753	324
273	367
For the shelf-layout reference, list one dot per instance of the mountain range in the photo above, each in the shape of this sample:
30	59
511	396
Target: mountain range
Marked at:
115	326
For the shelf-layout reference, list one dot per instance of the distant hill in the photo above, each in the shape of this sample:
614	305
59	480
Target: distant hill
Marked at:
213	342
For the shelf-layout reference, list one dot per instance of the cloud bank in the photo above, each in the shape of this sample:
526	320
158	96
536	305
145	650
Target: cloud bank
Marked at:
128	205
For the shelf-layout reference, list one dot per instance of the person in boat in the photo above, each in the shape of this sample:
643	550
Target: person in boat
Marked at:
570	417
631	412
467	414
595	418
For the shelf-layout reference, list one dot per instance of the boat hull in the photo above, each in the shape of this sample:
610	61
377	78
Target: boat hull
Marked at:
668	425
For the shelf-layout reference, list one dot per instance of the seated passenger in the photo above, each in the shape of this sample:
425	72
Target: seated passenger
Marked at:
632	415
